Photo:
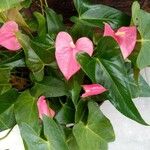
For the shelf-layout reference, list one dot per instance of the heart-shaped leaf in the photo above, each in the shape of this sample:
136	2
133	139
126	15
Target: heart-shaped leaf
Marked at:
96	133
26	111
96	15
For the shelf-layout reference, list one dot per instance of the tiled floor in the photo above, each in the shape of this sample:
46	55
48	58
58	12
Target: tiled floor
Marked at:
129	134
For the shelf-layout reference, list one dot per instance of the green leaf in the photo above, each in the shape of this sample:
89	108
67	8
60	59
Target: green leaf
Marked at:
7	4
54	137
4	80
7	119
108	69
50	87
46	52
31	138
8	99
54	134
79	29
33	62
54	21
41	24
26	111
96	15
96	133
81	111
75	87
142	20
70	139
26	3
144	88
66	113
11	60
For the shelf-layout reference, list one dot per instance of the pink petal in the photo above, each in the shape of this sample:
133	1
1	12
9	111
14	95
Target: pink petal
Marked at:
43	108
7	36
93	89
108	31
66	52
85	44
125	37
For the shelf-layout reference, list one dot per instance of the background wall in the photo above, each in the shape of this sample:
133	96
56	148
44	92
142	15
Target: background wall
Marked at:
129	134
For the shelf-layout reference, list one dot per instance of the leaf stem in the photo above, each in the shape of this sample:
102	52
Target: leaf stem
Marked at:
6	134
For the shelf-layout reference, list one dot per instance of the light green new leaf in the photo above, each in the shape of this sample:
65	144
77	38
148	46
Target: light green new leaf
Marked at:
7	4
142	20
26	111
96	133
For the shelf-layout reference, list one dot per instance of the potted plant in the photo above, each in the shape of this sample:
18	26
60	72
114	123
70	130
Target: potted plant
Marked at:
57	66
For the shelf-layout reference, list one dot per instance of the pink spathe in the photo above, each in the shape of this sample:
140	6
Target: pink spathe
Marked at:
125	37
7	36
44	109
93	89
66	52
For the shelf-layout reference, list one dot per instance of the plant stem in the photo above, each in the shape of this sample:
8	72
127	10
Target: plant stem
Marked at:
6	134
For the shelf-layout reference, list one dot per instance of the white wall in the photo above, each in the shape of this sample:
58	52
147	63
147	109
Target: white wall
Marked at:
129	134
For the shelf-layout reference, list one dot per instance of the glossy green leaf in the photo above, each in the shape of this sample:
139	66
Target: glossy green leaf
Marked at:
96	133
81	111
142	20
66	113
50	87
54	21
108	69
11	60
96	15
8	99
33	62
46	52
26	111
75	87
7	119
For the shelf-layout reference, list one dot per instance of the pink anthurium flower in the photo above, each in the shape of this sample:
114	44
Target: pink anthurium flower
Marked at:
66	52
125	37
7	36
93	89
44	109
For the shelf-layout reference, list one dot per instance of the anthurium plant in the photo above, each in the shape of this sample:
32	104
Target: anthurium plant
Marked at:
54	76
